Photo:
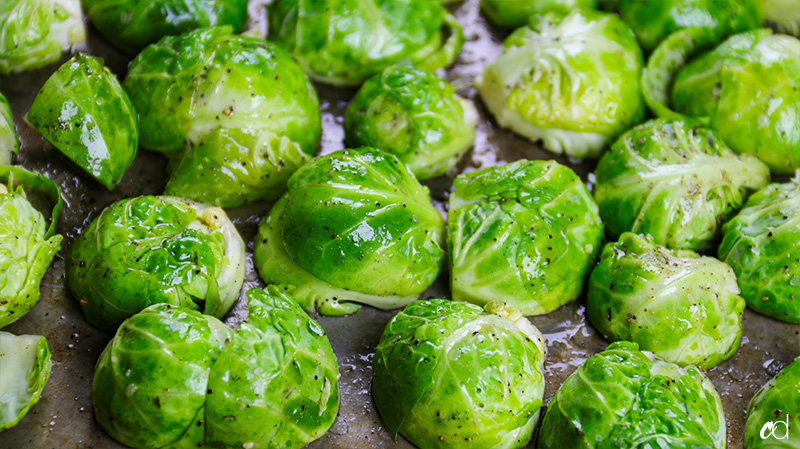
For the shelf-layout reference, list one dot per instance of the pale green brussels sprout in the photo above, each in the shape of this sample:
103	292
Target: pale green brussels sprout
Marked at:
525	233
34	33
653	21
27	244
676	181
344	42
24	371
236	115
784	15
627	398
173	378
762	245
355	225
571	81
448	374
83	111
773	416
683	307
515	13
9	141
151	250
414	115
744	89
133	24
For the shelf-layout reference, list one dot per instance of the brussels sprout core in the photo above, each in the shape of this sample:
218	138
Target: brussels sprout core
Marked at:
24	371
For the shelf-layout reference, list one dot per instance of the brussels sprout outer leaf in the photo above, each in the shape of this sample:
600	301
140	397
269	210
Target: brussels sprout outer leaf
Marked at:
9	141
448	52
83	111
778	402
24	371
36	181
514	14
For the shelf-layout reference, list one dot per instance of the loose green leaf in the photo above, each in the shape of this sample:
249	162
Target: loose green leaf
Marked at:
9	141
24	371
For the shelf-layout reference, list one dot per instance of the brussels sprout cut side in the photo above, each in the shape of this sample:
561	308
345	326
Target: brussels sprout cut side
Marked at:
683	307
776	403
571	81
9	141
414	115
24	370
626	398
449	375
524	233
150	250
355	225
515	13
172	377
676	181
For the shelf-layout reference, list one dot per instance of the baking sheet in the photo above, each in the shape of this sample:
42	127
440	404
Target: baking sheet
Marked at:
63	418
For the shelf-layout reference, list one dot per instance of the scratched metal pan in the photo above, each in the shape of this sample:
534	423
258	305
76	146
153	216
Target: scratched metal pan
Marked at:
63	418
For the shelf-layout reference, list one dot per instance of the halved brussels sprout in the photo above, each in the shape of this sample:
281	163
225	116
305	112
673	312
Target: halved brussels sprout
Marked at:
676	181
355	225
515	13
524	233
784	15
653	21
762	245
344	42
414	115
83	111
237	114
624	397
27	244
24	371
133	24
9	141
151	250
571	81
773	416
34	33
683	307
449	375
172	377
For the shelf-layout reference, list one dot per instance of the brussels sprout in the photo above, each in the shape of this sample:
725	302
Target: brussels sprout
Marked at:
776	403
515	13
9	142
151	250
784	15
173	378
414	115
237	114
448	375
683	307
524	233
344	42
27	245
24	370
355	225
34	33
744	89
652	21
571	81
676	181
762	245
133	24
83	111
624	397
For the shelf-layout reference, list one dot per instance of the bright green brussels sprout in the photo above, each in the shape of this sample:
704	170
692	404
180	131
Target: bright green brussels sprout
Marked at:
627	398
784	15
355	225
676	181
9	141
83	111
571	81
515	13
762	245
34	33
344	42
151	250
27	244
524	233
744	89
236	114
414	115
448	375
652	21
24	371
174	378
133	24
683	307
773	416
